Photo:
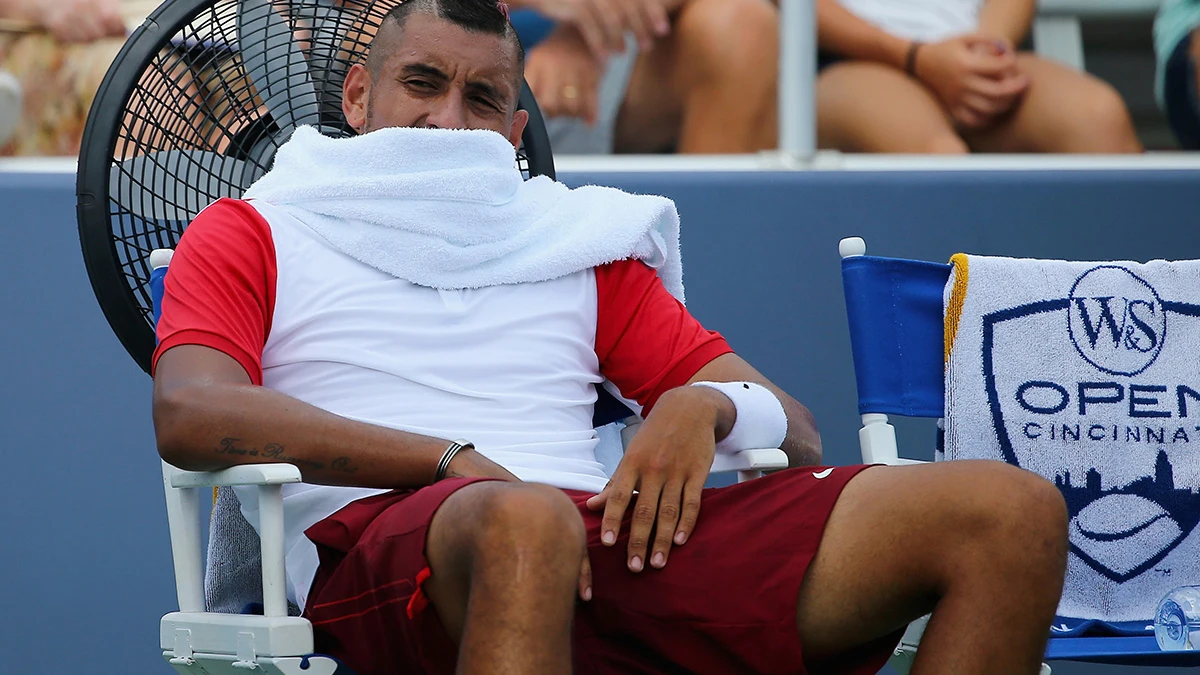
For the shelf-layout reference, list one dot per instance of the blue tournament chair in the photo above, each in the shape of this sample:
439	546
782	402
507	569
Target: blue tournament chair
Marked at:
894	308
197	641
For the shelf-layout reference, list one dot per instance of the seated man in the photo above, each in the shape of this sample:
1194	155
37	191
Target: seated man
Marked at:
696	76
943	76
377	296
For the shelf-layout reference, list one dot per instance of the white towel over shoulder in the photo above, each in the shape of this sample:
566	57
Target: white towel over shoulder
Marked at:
449	209
1088	373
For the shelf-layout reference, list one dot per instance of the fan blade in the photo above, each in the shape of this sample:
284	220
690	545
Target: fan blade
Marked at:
331	24
275	65
178	184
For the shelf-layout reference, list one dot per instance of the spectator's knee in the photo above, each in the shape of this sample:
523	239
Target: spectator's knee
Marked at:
729	38
1103	123
536	520
946	144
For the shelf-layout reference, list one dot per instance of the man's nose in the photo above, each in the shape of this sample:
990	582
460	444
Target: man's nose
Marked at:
448	113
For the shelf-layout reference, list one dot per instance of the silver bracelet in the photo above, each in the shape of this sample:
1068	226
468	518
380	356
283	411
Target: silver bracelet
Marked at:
444	463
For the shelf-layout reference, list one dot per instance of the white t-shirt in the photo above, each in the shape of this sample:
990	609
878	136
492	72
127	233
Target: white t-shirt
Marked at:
924	20
512	368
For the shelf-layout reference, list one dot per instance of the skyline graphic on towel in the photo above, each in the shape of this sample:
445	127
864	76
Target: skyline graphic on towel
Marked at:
1117	441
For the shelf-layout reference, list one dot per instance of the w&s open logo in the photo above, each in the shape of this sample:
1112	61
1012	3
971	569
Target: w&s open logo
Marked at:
1116	320
1099	391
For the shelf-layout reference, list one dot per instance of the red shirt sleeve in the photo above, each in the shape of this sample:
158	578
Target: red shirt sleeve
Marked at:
646	341
219	291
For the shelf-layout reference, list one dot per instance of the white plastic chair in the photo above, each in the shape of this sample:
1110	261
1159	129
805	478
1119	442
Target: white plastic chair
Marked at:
1058	31
197	642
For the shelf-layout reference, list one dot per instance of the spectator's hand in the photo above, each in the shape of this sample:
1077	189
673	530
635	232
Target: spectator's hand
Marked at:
79	20
603	23
564	76
975	76
666	463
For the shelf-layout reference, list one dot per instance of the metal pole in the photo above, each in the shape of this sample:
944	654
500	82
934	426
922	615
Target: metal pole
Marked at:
798	78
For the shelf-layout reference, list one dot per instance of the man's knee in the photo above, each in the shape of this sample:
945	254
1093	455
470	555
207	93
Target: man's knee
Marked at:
999	508
537	519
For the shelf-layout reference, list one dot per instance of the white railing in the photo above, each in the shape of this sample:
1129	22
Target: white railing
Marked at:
798	79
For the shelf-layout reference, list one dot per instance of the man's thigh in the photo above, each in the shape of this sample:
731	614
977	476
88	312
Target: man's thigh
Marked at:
870	107
726	600
894	538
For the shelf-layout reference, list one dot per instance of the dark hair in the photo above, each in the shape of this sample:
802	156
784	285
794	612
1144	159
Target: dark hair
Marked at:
478	16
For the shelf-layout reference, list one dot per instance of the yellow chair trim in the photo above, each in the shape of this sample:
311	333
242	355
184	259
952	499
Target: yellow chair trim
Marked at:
958	295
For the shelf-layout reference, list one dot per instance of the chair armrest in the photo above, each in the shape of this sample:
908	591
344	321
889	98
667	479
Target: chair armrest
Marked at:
246	474
183	518
759	459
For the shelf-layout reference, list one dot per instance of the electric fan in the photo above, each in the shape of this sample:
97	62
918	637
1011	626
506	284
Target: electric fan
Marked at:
194	108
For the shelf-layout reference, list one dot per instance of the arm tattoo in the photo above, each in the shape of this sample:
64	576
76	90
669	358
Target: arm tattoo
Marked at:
275	451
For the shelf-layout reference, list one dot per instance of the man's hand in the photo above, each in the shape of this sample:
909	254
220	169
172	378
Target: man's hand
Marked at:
79	20
667	464
603	23
564	76
975	76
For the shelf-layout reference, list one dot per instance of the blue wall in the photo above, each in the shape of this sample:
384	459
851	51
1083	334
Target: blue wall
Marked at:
86	557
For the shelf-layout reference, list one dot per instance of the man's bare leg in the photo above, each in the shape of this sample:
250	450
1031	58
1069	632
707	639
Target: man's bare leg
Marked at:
708	87
505	561
982	545
871	107
1063	110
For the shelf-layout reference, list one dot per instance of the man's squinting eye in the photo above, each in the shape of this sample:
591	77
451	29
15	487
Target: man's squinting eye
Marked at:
486	102
419	84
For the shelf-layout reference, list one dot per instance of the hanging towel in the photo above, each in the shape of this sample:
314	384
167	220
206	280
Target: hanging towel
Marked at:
448	209
1088	373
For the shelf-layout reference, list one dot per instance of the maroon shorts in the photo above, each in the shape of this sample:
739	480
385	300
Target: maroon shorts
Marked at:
725	603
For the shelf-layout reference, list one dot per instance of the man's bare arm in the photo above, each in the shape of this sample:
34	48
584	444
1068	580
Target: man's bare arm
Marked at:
803	443
208	416
841	32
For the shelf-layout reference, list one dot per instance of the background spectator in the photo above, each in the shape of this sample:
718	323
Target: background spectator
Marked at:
59	50
944	76
650	76
1177	48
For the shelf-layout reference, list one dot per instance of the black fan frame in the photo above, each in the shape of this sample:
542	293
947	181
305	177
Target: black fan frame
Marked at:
115	287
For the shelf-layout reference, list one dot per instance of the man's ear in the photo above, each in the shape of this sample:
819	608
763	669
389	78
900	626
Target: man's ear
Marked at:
520	119
356	96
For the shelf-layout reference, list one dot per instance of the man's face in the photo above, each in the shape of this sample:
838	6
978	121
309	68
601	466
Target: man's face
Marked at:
437	75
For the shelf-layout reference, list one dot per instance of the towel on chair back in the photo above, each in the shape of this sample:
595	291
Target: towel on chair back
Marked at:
1088	374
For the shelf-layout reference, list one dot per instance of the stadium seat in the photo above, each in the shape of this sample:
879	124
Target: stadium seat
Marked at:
1057	29
894	308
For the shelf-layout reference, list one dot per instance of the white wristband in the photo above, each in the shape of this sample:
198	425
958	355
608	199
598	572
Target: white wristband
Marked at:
761	421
